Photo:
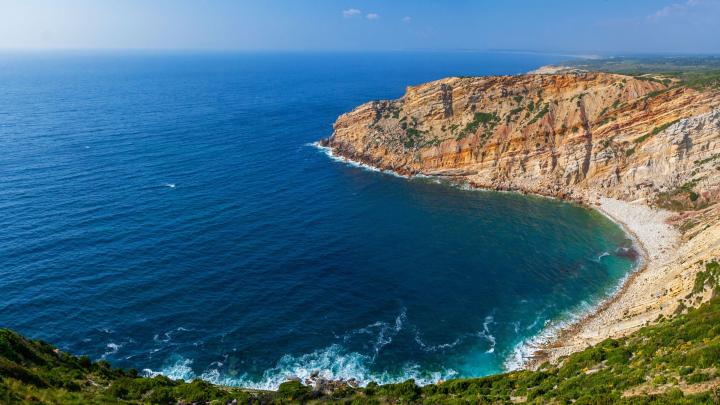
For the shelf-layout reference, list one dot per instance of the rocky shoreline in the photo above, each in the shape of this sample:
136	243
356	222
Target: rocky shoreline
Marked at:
652	236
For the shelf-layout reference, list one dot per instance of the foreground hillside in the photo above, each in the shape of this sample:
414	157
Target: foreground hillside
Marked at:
674	362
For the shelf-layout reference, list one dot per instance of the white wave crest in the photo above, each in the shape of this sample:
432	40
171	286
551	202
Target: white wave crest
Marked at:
483	334
600	256
112	349
525	349
486	333
167	336
382	332
329	152
332	363
180	370
438	347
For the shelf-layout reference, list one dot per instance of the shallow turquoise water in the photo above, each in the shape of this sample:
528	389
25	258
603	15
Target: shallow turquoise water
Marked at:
168	213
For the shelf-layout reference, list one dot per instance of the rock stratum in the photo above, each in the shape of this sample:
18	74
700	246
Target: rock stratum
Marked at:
639	148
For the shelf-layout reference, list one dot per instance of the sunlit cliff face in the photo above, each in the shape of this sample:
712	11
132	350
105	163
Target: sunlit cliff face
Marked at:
565	134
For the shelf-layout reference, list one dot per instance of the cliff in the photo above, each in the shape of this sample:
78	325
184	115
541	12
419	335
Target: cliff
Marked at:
561	135
640	148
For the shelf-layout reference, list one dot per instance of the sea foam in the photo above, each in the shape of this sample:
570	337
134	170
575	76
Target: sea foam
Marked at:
333	363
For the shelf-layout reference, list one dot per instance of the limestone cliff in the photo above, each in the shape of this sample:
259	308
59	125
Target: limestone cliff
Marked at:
562	134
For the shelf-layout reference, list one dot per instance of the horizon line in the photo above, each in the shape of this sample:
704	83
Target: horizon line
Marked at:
570	54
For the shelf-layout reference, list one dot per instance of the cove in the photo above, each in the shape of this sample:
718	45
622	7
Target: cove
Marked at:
166	213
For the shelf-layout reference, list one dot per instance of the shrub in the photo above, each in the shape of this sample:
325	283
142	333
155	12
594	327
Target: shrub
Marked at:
161	395
85	362
293	390
697	378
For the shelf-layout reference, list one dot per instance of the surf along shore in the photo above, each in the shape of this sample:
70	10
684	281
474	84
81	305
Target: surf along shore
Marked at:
642	150
655	241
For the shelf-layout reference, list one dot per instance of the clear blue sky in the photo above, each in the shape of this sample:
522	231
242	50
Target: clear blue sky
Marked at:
584	26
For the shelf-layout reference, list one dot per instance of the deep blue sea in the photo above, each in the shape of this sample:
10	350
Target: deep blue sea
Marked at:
168	212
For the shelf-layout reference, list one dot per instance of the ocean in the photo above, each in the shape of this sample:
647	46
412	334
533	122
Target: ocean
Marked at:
168	212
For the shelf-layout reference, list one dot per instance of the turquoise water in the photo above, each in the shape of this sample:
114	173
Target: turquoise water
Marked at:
168	212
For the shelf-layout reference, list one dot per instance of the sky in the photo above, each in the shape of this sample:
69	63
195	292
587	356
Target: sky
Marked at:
578	26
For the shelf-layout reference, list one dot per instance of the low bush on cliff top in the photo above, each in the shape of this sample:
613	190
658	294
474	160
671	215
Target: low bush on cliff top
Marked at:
685	349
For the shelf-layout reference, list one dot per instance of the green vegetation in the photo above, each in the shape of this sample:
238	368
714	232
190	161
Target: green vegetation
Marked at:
604	110
392	110
655	131
682	351
656	93
663	127
606	120
642	138
605	143
708	278
710	159
487	120
35	372
682	198
700	80
698	72
413	137
540	114
512	113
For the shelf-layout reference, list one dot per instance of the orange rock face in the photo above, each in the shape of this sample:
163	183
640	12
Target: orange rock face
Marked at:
568	135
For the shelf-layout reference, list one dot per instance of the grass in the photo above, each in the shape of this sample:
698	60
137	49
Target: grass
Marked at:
701	81
708	278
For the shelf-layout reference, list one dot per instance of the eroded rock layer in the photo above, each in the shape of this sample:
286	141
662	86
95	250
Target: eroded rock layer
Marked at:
560	135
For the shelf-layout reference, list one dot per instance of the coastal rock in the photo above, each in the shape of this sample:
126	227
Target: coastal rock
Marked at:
562	135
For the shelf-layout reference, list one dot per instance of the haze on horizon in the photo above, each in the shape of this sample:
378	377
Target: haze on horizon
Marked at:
608	26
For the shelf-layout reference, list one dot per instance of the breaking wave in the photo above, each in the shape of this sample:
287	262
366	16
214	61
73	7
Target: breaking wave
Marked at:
334	362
